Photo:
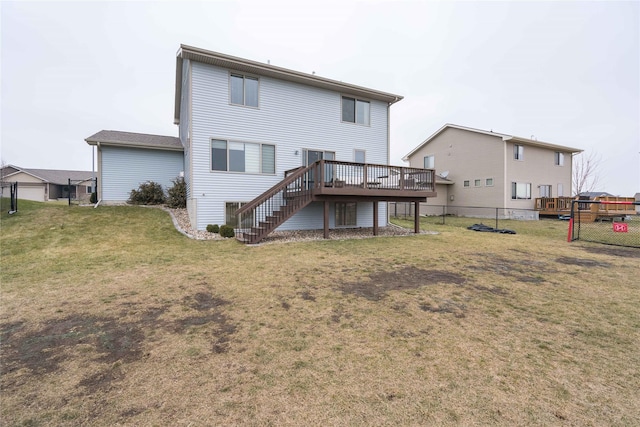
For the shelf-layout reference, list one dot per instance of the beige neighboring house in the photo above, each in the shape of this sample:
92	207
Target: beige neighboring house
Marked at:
479	168
42	185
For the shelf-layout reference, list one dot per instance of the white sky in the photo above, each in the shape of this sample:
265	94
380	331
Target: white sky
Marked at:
565	72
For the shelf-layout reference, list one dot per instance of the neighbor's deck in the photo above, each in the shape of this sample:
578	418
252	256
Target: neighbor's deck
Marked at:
588	212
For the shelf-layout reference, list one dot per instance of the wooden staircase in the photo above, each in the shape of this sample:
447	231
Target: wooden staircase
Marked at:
268	211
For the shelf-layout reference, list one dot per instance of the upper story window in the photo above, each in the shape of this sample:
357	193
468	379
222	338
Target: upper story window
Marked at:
355	110
518	152
360	156
247	157
477	183
489	182
559	158
244	90
466	183
429	162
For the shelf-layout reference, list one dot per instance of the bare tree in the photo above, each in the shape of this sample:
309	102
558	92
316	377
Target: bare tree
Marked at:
585	172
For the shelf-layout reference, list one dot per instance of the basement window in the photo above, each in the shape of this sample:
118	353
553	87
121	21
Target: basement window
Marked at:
346	214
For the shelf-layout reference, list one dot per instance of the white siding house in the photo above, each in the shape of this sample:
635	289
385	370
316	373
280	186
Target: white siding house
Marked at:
293	112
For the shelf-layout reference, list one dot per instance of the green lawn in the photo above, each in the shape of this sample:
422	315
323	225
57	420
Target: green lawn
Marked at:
110	316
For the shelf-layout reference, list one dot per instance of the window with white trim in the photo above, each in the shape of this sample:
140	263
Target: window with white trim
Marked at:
545	191
346	214
477	183
429	162
247	157
243	90
489	182
559	158
355	110
466	183
520	190
360	156
518	152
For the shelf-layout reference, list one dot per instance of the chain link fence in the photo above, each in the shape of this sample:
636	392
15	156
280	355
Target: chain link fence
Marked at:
440	214
610	223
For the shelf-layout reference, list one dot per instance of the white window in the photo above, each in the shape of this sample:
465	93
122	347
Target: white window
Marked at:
360	156
560	190
559	158
545	191
243	90
89	189
518	152
429	162
346	214
355	110
477	183
466	183
247	157
489	182
520	190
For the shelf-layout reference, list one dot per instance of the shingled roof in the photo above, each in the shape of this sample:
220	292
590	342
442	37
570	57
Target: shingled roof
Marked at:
138	140
52	176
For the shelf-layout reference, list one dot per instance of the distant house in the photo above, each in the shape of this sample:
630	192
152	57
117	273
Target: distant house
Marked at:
263	147
593	194
42	185
483	168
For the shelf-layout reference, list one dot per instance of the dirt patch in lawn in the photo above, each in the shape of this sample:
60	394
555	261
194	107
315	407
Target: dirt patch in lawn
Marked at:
109	340
380	283
526	271
614	251
582	262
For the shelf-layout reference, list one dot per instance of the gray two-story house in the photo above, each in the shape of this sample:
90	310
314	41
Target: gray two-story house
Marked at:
264	147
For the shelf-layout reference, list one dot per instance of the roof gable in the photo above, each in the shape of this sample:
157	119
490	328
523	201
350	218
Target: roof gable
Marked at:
261	69
53	176
504	137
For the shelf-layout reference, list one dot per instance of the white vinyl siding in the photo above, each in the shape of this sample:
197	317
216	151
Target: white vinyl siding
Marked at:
124	169
283	120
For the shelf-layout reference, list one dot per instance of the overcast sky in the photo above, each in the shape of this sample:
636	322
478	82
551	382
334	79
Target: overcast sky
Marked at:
563	72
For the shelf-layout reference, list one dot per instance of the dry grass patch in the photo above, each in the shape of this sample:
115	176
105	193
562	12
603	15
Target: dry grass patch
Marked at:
128	322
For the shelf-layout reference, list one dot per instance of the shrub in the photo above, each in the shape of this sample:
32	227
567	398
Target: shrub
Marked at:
93	198
177	194
227	231
213	228
149	193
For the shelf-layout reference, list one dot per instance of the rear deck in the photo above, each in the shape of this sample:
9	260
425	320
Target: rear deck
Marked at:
609	208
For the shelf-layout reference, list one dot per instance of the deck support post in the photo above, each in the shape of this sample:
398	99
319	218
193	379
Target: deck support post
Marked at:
326	220
375	218
416	215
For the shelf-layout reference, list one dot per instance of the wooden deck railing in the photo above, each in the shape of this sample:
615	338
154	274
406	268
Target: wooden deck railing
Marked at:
325	178
337	174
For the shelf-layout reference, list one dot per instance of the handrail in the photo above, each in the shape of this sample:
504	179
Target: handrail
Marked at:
274	190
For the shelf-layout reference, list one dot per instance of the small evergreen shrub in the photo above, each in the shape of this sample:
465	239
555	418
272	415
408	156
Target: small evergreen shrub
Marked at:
93	198
213	228
227	231
177	194
149	193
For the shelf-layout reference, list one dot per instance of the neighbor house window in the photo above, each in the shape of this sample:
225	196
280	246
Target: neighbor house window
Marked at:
559	158
346	214
477	183
360	156
520	190
247	157
466	183
429	162
355	110
230	217
489	182
518	152
89	189
244	90
545	191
